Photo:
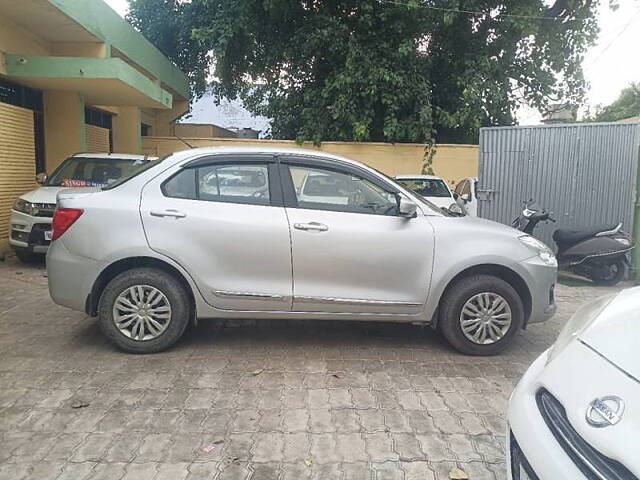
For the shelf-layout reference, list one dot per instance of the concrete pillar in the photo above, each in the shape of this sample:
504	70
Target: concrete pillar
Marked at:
126	130
164	119
64	128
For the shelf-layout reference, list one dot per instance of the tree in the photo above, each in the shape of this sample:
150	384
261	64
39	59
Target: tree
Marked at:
627	105
377	70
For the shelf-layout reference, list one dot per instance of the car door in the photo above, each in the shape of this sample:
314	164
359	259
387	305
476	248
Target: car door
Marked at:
352	252
458	195
473	197
222	218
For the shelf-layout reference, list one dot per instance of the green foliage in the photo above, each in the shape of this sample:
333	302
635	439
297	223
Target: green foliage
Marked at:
627	105
377	70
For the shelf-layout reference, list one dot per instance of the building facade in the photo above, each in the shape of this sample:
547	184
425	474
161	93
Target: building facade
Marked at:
76	77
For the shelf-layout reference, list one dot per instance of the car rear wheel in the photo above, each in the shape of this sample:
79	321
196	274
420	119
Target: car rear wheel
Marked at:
144	310
480	315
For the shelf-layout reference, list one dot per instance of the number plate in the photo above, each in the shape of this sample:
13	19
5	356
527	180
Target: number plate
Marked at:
47	235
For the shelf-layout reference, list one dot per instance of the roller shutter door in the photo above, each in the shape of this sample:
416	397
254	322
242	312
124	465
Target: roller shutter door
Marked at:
97	139
17	160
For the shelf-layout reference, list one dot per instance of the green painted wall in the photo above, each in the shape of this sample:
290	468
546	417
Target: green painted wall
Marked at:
101	21
89	68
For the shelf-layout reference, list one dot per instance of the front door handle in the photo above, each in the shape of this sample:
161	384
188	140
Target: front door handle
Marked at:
314	226
167	213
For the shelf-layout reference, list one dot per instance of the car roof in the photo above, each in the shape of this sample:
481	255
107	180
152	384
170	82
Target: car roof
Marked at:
114	156
418	177
267	150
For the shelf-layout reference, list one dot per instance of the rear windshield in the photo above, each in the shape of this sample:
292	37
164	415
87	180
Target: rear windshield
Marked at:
94	172
137	172
427	187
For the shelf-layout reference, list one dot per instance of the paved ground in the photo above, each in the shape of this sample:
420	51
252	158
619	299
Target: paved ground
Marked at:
275	400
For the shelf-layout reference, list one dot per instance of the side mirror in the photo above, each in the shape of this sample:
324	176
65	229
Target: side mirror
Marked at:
407	208
41	178
456	196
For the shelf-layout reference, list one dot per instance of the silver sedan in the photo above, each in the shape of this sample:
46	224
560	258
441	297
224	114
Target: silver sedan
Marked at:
287	233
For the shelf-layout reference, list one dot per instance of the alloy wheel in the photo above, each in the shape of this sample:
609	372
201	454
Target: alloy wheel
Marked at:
141	312
485	318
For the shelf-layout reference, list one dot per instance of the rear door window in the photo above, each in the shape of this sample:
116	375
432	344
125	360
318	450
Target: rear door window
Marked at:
233	183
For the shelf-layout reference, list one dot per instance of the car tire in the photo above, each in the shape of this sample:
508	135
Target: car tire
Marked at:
467	293
148	281
26	256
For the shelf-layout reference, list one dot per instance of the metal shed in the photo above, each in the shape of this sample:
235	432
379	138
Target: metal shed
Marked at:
586	173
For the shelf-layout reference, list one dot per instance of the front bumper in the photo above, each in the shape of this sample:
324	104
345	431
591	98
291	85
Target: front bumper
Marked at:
534	440
29	233
572	448
541	280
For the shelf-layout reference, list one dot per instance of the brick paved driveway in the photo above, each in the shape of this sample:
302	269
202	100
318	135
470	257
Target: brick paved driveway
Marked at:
272	400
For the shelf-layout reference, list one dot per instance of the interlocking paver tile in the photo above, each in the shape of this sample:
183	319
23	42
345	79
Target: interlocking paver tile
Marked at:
250	399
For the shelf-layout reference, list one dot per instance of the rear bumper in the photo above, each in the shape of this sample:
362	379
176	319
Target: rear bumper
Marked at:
541	279
70	277
28	233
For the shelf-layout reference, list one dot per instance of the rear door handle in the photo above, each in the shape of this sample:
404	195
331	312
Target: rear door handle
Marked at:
167	213
314	226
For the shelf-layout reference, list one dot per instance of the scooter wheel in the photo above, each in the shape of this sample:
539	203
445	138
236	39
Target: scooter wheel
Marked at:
616	273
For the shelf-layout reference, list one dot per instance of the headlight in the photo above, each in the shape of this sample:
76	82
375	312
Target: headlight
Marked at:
544	252
578	323
23	206
455	208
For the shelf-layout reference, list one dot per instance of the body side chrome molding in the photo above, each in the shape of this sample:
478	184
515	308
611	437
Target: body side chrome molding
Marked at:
355	301
247	295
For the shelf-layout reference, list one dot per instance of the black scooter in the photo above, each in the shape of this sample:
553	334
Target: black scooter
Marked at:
597	253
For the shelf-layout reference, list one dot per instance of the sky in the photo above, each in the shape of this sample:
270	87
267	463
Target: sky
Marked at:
609	66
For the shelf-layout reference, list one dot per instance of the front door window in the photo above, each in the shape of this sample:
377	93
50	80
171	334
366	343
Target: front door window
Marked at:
325	189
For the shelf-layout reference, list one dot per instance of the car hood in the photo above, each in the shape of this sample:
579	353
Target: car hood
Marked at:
42	195
484	224
50	194
614	333
442	202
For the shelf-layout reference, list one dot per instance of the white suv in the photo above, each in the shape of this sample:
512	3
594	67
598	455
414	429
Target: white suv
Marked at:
32	212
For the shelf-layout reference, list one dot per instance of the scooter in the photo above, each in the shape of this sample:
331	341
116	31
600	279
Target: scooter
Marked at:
597	253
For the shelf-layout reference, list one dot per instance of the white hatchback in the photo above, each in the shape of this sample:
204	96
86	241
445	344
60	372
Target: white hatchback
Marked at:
576	412
433	188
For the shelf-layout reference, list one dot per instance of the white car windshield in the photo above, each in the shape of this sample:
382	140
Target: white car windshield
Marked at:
427	187
93	172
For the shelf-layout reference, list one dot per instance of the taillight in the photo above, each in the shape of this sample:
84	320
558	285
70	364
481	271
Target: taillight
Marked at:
63	218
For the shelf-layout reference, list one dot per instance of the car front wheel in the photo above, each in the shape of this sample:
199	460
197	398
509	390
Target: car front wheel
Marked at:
144	310
480	315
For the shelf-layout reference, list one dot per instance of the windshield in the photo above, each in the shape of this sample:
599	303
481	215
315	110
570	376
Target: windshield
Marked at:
420	198
427	187
94	172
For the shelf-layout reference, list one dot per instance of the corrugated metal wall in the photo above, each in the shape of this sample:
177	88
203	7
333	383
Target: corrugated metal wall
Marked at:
17	160
585	173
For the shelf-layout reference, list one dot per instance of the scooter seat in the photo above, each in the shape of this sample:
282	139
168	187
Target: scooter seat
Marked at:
570	236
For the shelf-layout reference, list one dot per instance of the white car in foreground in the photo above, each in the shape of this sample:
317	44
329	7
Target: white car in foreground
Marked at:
576	412
433	188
